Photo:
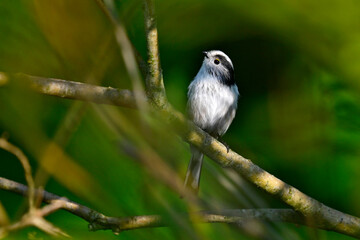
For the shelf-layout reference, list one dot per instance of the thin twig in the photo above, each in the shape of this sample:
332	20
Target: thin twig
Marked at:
4	144
34	217
111	15
132	60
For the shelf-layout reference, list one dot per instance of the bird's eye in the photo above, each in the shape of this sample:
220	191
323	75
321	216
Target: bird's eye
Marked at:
216	61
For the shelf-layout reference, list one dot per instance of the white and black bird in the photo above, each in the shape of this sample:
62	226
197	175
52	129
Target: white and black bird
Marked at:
212	103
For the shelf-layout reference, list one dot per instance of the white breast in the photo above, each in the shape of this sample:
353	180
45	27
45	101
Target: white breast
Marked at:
211	104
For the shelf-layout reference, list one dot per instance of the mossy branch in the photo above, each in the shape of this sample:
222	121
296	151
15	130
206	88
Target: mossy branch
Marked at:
77	90
154	80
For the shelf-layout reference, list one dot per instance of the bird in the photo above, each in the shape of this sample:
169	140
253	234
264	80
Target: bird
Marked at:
212	103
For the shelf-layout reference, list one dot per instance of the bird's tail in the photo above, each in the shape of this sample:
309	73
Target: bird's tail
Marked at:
192	179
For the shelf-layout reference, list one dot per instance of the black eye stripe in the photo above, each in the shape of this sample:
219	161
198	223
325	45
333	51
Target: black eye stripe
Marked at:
225	62
228	79
222	59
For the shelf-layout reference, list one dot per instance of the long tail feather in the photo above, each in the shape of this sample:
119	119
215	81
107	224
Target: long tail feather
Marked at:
193	173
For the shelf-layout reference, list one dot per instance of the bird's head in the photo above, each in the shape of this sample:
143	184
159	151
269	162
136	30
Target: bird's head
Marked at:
219	65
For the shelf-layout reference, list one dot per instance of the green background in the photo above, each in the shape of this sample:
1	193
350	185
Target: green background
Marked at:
297	66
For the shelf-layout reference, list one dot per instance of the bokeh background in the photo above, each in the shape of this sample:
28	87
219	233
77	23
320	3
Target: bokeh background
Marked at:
297	66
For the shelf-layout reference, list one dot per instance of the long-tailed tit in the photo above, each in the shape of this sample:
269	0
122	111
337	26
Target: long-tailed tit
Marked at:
212	103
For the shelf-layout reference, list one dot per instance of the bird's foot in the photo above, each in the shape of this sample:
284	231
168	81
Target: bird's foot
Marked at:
225	144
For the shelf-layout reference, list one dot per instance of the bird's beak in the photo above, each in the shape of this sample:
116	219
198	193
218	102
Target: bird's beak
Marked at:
205	54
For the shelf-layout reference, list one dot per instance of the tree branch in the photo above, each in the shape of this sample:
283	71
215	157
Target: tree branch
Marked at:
154	80
98	221
79	91
324	216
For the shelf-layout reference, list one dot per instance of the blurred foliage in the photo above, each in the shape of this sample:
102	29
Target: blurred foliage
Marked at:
297	68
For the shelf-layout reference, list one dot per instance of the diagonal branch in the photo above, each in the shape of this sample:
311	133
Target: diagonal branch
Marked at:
324	216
